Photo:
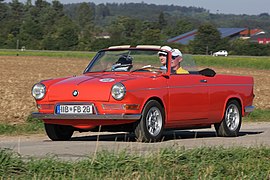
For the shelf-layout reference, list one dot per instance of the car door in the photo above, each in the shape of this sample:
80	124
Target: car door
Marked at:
188	98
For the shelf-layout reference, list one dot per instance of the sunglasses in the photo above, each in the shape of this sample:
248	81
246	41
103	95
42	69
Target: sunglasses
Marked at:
174	57
161	55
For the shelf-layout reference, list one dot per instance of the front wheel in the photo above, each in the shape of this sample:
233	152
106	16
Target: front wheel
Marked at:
151	125
231	123
59	132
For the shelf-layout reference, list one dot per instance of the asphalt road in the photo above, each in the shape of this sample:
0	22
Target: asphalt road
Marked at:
85	144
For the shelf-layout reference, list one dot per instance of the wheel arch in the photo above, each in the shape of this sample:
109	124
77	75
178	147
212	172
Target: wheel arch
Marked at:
141	128
231	98
159	100
223	129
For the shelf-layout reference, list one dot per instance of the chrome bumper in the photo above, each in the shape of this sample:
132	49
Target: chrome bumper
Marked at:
92	116
249	109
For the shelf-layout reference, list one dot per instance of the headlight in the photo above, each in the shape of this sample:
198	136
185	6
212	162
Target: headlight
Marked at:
118	91
38	91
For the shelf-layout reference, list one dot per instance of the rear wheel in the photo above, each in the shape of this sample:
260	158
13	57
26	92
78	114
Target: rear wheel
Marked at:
231	123
151	125
59	132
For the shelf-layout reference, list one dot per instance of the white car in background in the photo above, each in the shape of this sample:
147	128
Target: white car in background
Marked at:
221	53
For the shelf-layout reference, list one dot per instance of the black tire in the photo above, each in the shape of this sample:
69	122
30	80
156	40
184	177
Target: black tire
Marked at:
151	125
231	122
59	132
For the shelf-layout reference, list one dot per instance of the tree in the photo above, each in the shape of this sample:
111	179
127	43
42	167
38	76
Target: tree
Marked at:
28	3
58	8
11	41
150	33
3	10
102	11
40	4
85	15
16	17
44	25
121	30
161	21
181	26
66	35
31	33
3	18
207	39
151	36
244	47
84	18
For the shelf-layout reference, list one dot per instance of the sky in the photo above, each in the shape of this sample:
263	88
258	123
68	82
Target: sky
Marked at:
250	7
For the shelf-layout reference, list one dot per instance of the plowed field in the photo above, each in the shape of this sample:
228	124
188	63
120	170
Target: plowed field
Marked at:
18	74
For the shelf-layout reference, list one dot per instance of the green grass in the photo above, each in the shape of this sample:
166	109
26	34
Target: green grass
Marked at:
258	115
200	163
31	126
252	62
61	54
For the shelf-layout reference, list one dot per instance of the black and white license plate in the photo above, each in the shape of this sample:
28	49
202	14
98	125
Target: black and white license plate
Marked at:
74	109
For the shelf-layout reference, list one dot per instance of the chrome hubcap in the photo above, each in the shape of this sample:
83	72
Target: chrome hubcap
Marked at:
232	117
154	121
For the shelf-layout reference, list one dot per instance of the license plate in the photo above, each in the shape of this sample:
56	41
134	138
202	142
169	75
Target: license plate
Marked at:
74	109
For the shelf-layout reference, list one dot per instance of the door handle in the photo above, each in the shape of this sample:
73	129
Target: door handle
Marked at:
203	81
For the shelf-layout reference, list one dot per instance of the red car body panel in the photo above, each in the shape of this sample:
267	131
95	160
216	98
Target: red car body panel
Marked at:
189	100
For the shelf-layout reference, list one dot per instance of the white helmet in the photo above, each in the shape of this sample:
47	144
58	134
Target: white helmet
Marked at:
167	48
176	52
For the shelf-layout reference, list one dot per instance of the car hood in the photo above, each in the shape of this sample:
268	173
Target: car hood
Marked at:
89	87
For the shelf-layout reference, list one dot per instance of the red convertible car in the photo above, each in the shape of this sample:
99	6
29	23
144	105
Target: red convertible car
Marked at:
124	88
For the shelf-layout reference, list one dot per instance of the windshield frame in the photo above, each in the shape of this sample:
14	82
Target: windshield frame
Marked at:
188	62
101	52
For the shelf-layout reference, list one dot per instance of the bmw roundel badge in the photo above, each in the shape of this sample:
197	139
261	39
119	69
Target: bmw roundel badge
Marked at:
75	93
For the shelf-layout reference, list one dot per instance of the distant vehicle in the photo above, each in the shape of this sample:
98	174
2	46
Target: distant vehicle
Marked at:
221	53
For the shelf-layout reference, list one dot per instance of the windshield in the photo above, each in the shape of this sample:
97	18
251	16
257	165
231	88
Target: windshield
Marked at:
126	60
135	60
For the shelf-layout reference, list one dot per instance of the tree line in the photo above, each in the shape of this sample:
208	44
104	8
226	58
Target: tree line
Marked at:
42	25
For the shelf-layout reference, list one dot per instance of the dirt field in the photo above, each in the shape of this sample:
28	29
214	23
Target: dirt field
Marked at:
18	74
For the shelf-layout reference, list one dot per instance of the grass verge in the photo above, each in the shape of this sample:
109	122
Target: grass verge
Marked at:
60	54
258	115
253	62
200	163
31	126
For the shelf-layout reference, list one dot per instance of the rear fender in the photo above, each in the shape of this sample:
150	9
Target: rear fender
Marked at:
233	97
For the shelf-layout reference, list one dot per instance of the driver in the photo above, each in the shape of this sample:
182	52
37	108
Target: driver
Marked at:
163	56
176	61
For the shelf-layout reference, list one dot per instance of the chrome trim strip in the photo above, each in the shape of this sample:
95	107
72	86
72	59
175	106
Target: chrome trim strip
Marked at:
148	46
230	84
86	116
120	47
189	86
249	109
